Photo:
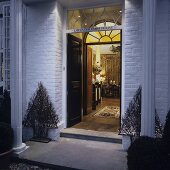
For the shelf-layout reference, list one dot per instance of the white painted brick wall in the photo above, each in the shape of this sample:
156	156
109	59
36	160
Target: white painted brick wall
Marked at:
133	48
169	59
44	50
162	54
132	54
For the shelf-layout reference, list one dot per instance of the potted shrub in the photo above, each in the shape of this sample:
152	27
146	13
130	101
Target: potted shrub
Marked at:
41	115
131	122
5	107
151	153
6	143
166	135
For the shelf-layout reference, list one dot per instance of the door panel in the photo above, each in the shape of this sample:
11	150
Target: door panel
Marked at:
74	80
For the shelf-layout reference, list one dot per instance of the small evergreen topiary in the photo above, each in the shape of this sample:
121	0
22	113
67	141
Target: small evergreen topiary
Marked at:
151	153
147	153
158	126
5	108
6	144
131	123
166	133
6	137
40	114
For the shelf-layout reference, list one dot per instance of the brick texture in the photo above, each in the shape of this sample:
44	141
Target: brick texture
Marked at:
162	54
133	52
44	50
133	48
169	58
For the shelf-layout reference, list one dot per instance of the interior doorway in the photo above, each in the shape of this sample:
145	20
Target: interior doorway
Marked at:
94	80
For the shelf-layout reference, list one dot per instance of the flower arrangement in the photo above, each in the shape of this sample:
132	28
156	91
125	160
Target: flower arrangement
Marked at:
97	69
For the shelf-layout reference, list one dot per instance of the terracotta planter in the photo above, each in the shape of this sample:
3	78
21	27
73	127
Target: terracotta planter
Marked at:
5	159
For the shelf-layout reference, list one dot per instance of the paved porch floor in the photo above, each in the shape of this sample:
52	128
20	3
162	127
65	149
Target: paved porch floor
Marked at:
78	154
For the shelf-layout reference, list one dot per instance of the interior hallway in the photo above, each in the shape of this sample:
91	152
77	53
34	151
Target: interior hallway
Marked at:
108	124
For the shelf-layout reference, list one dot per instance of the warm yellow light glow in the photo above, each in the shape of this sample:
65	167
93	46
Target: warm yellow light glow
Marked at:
116	38
98	55
104	36
105	39
91	39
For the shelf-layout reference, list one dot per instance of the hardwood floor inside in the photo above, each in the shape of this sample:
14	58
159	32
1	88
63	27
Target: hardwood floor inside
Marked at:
108	124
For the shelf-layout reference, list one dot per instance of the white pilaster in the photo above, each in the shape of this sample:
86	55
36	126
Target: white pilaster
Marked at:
169	61
64	71
16	74
148	88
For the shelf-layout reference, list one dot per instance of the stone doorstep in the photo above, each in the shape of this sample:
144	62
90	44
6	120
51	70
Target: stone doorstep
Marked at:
91	135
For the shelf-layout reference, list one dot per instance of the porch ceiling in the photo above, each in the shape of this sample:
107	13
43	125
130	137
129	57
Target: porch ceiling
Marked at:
78	3
35	1
86	3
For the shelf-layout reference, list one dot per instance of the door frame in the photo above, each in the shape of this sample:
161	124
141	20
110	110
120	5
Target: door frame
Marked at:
84	71
63	123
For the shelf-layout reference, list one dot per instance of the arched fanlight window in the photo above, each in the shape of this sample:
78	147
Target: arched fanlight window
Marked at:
104	36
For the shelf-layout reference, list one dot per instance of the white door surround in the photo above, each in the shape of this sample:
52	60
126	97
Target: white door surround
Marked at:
64	73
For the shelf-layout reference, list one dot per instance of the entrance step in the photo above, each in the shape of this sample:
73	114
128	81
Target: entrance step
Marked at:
91	135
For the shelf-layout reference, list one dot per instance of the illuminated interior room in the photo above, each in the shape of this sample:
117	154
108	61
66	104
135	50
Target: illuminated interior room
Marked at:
102	80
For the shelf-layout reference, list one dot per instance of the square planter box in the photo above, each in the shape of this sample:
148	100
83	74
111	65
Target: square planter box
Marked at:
53	134
126	142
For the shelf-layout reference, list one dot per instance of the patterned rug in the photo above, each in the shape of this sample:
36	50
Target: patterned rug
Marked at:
109	112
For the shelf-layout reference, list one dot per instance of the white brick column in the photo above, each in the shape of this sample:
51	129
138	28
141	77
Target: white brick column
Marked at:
148	88
169	59
16	74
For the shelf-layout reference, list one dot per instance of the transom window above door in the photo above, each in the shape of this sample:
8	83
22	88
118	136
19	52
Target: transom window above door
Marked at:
90	17
104	36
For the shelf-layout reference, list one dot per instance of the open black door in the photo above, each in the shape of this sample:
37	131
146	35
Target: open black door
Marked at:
74	80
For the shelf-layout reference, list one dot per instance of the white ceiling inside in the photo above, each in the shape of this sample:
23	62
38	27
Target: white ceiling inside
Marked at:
79	3
104	48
